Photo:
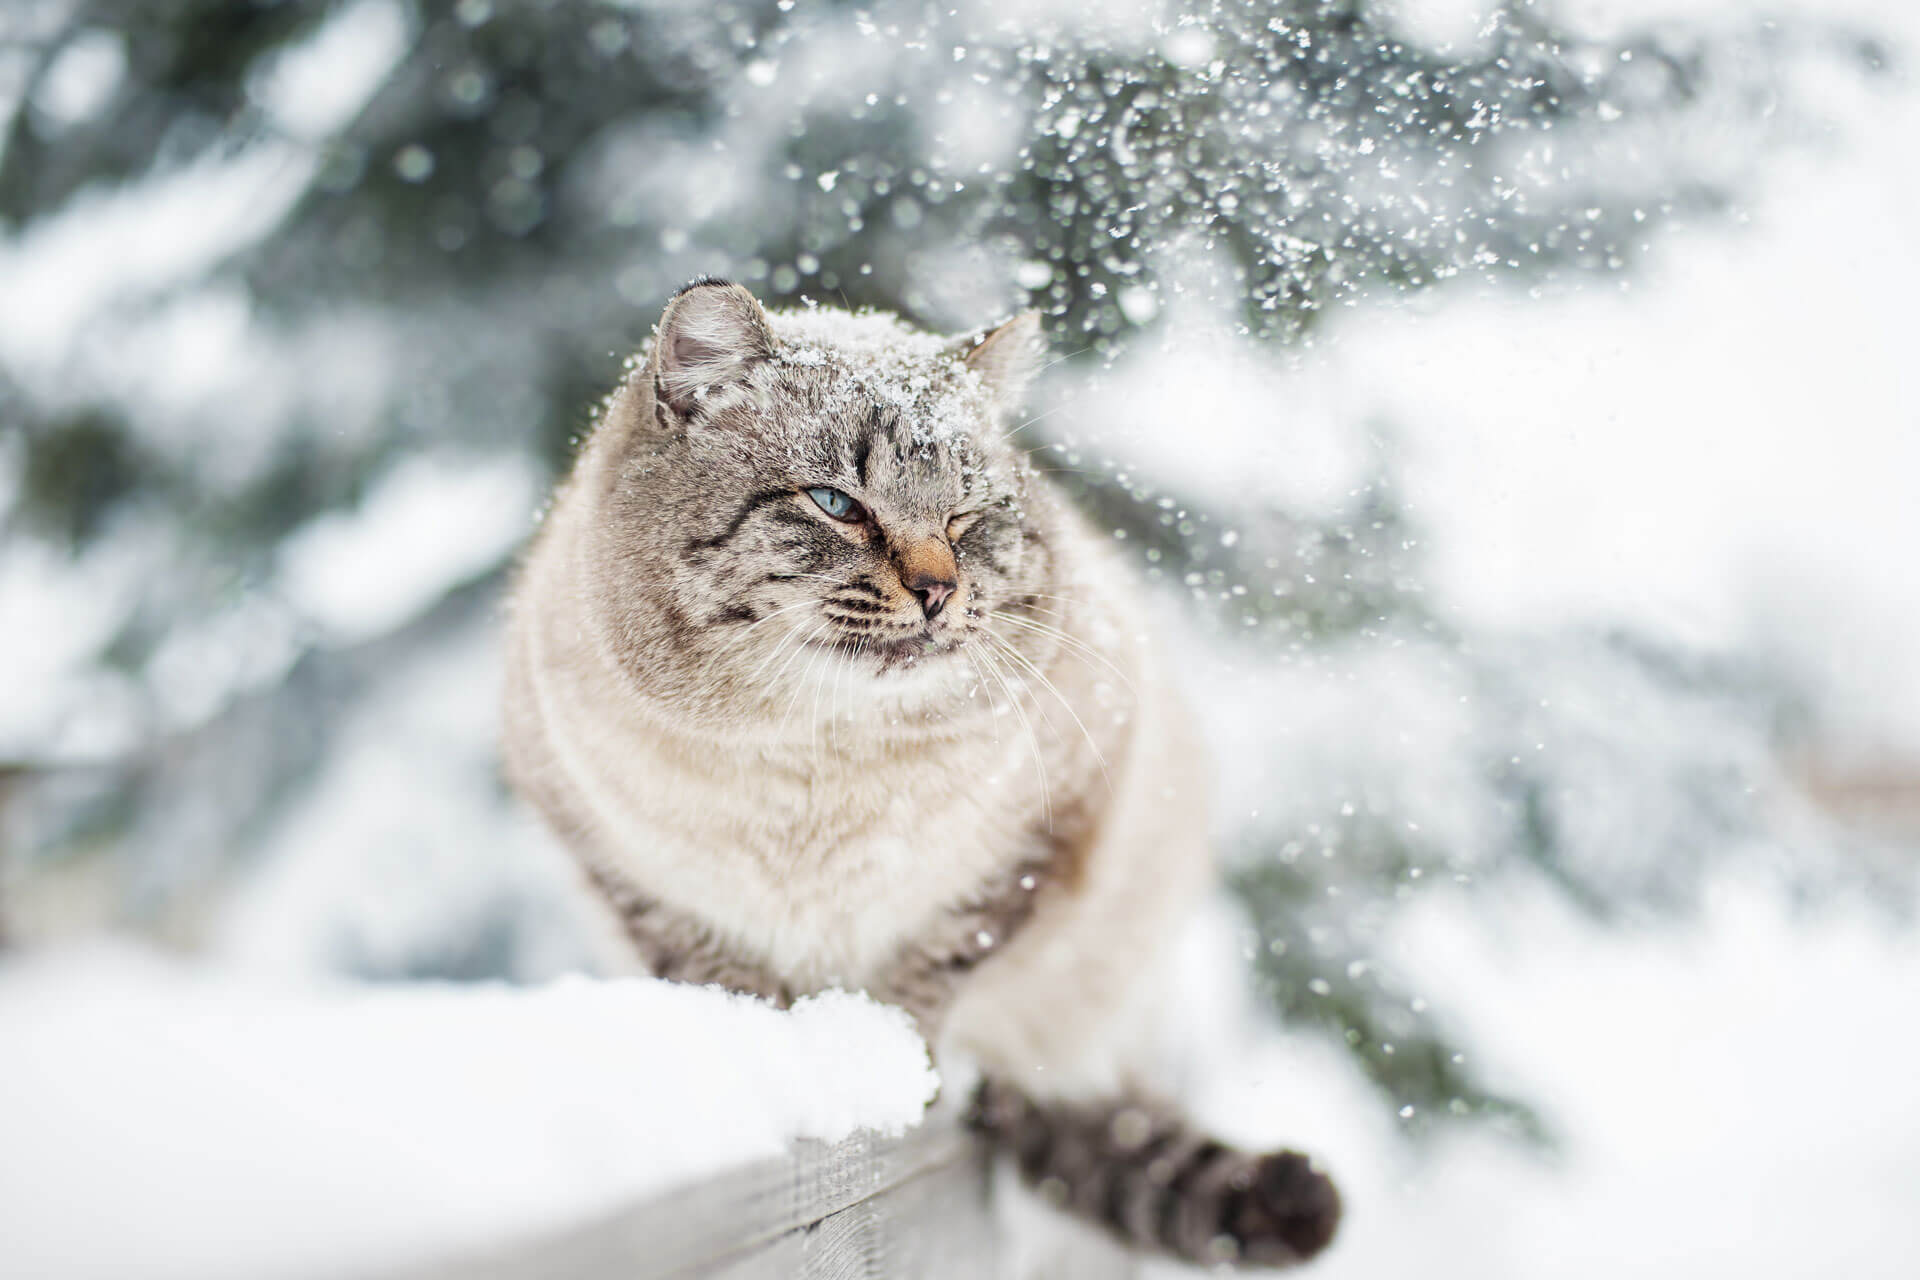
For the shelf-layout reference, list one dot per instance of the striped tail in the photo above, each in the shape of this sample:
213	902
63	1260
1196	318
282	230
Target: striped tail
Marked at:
1141	1172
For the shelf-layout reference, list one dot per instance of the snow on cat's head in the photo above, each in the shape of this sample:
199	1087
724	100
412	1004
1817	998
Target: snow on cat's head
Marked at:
840	493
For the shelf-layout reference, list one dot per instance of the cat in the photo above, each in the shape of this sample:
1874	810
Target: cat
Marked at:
824	684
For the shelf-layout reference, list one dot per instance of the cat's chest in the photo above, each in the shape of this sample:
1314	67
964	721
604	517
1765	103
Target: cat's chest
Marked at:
828	872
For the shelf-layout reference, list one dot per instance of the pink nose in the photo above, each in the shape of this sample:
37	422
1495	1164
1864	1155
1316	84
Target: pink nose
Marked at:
933	594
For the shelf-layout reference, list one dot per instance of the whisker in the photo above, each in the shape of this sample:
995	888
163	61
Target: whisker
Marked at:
1030	421
860	586
981	684
1093	746
1048	595
833	706
800	684
1070	355
764	618
824	577
813	730
1033	737
766	661
1000	643
781	673
1072	644
739	640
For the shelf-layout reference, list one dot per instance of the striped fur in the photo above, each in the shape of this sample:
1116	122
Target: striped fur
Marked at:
1137	1169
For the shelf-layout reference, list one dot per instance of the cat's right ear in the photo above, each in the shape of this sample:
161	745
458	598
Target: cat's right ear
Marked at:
710	337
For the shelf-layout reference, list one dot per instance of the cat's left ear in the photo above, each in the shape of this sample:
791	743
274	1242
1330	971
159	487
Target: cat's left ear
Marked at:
1006	358
711	336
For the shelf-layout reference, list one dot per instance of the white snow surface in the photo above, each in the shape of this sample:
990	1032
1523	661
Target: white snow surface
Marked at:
163	1121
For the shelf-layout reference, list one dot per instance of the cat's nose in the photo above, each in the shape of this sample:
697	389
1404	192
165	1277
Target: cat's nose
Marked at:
932	592
928	570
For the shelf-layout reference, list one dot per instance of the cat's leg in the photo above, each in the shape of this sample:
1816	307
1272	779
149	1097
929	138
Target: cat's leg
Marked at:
680	948
927	973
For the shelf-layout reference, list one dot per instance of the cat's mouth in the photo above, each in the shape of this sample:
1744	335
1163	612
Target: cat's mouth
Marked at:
890	653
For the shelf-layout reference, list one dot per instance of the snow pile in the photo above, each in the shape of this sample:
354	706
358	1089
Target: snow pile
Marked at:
166	1121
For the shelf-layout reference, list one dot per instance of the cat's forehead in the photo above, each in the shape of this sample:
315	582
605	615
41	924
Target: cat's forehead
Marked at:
852	373
876	340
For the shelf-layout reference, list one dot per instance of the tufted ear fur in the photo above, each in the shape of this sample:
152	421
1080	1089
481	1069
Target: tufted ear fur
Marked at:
710	337
1006	358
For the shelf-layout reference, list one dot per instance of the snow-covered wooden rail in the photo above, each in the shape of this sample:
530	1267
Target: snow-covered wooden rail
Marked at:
581	1129
871	1207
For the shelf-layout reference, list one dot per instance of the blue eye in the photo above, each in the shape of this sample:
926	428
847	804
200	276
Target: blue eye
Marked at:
837	504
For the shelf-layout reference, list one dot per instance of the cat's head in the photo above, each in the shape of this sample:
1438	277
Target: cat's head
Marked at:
824	483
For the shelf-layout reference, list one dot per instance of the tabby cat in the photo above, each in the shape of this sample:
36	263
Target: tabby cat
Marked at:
826	686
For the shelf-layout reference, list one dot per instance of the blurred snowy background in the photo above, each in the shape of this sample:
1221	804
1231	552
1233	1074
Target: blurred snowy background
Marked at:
1511	404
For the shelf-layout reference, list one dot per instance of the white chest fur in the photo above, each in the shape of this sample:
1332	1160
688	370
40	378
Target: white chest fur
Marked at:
824	859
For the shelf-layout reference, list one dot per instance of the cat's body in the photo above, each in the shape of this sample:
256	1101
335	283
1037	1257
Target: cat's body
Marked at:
915	745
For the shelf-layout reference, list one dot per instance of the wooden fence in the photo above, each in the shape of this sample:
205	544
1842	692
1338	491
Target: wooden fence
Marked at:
915	1208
